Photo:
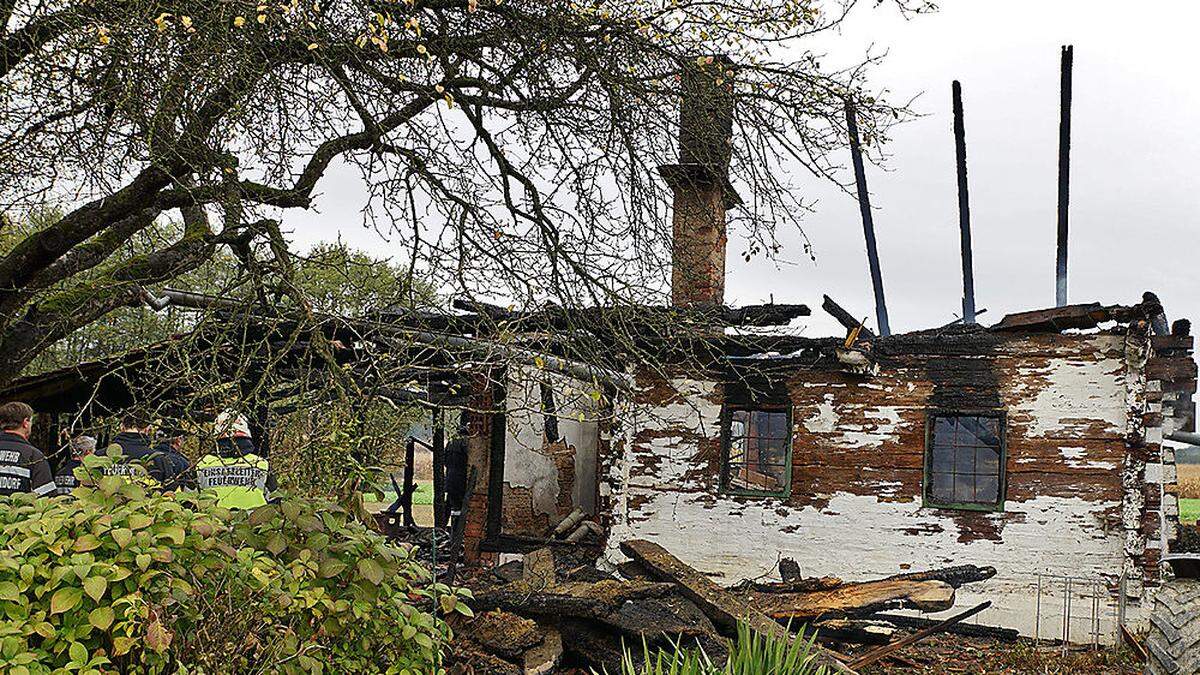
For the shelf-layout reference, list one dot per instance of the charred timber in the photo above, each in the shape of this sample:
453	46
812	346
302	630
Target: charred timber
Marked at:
862	599
956	576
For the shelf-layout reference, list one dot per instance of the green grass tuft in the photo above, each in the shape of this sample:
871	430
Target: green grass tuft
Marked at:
752	654
1189	510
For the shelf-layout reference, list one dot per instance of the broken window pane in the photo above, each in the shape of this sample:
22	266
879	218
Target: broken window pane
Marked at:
965	461
758	453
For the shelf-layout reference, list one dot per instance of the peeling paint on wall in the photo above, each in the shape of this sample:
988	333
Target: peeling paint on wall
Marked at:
1073	506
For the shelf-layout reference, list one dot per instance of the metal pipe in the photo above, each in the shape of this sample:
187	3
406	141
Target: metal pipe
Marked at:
1189	437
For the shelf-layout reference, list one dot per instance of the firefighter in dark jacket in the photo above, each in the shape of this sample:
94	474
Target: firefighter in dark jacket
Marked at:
170	444
23	468
456	473
235	472
65	480
140	462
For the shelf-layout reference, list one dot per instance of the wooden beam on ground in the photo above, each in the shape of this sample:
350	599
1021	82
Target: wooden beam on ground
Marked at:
857	631
859	599
1135	644
883	652
721	606
725	609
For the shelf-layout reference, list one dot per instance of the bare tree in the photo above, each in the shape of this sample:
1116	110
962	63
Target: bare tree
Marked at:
510	146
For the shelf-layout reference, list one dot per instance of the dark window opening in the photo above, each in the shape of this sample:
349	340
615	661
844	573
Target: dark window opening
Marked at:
757	451
964	462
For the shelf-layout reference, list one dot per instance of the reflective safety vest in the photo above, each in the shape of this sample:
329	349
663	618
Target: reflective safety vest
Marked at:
238	482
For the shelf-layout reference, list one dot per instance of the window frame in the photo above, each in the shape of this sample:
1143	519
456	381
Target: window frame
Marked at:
727	411
927	483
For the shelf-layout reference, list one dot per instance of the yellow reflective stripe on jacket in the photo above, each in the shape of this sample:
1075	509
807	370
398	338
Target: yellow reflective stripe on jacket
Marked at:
238	482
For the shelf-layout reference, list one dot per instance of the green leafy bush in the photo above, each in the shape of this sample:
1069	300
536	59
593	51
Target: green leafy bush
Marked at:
121	580
752	654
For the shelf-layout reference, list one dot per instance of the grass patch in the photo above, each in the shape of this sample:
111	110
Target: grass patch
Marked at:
1189	510
423	496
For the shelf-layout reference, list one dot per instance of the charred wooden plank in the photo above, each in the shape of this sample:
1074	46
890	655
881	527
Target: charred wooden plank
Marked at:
964	629
845	318
632	569
568	598
662	621
856	599
1171	369
720	605
1169	344
956	575
855	631
798	586
725	609
883	652
1058	318
593	645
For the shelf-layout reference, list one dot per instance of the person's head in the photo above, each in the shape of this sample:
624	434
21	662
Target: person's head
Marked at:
229	424
82	446
172	438
136	422
16	418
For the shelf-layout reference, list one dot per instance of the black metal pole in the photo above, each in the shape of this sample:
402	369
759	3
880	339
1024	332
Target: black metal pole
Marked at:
964	206
440	514
1064	173
406	499
864	206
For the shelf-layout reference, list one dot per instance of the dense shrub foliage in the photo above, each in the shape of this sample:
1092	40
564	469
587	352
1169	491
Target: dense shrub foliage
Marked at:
116	579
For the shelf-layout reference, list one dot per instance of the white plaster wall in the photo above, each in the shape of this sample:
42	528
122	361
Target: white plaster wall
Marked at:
525	464
862	537
1063	397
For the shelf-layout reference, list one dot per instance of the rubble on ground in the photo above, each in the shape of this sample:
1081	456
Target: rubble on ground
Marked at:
548	613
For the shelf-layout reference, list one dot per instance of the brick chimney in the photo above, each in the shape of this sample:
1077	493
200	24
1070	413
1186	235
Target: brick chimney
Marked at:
701	185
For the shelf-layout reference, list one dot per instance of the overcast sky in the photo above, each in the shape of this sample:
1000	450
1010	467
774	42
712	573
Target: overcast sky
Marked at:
1134	195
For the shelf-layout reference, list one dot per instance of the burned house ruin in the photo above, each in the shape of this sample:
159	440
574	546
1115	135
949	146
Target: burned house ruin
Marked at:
1034	446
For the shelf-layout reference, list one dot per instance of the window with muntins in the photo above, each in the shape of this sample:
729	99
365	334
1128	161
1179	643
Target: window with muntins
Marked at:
757	451
964	461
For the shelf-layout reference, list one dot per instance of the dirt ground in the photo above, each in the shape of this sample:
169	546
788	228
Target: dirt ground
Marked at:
946	654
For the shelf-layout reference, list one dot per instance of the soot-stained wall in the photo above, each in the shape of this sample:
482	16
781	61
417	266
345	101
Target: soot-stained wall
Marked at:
1080	444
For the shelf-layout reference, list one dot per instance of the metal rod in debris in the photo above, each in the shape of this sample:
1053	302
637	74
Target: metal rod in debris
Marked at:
864	206
964	206
1064	173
